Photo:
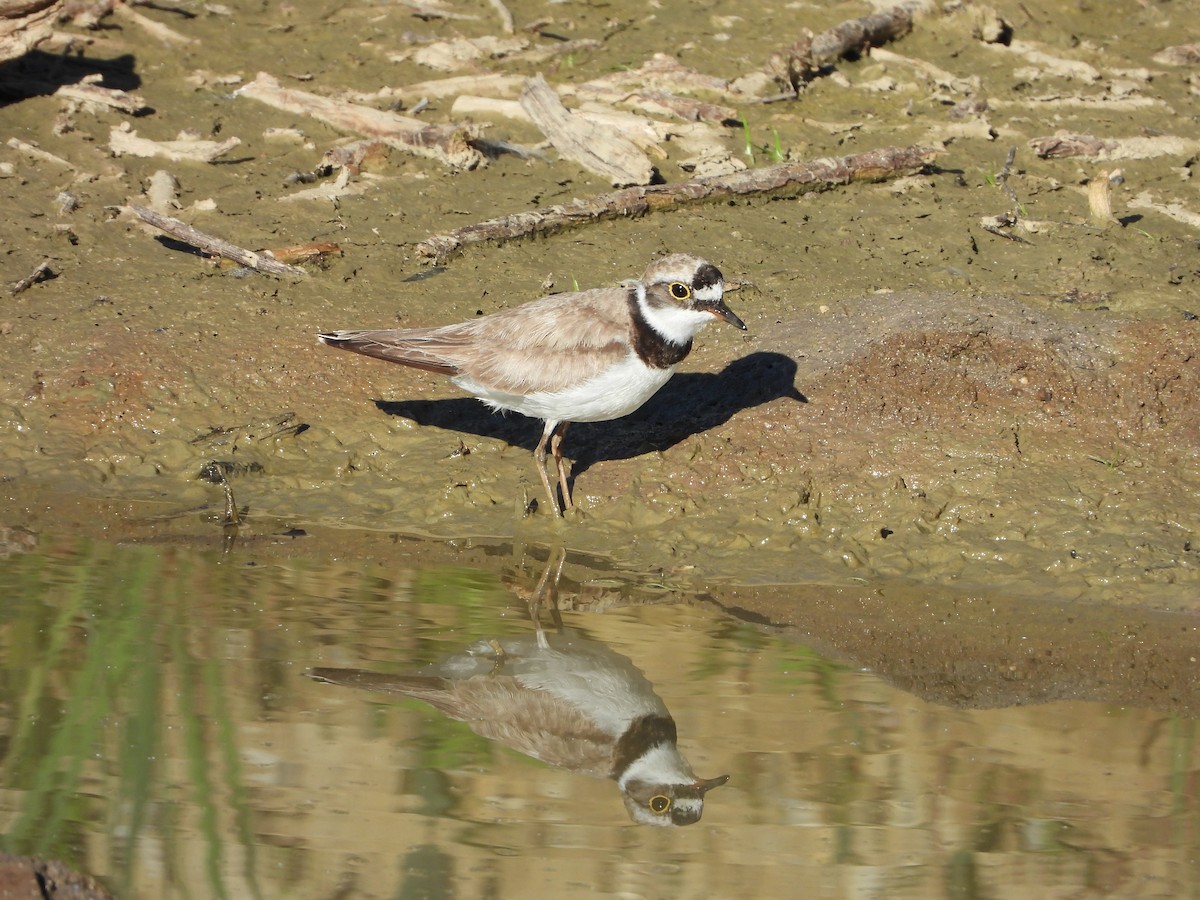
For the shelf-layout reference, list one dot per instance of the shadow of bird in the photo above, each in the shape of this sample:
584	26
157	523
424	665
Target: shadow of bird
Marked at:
690	403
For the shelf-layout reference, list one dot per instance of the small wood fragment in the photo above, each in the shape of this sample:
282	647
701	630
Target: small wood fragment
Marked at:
215	246
491	84
787	178
449	144
332	191
102	96
38	153
803	61
1100	200
124	141
646	133
314	252
25	25
162	192
604	151
998	226
155	29
40	273
663	72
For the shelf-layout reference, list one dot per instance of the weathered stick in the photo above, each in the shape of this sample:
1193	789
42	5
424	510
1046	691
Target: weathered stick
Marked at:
801	62
40	273
797	178
214	245
447	143
155	29
23	26
605	151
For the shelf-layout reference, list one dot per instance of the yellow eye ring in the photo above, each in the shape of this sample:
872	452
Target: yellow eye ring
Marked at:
660	804
680	291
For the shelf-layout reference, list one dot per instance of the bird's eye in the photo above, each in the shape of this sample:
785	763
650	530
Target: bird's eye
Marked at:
658	802
680	291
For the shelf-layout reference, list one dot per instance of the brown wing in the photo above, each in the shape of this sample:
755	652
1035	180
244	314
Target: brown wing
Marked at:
539	346
407	346
499	708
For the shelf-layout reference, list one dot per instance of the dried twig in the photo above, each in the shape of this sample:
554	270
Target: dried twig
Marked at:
38	153
1002	179
796	178
996	224
214	245
41	273
102	96
124	141
156	29
446	143
803	61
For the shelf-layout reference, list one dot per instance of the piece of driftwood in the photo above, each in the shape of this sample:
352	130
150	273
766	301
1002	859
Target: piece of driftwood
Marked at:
803	61
24	24
155	29
662	72
999	224
655	87
162	191
214	245
40	273
604	151
449	144
124	141
490	84
37	152
792	177
647	134
313	251
102	96
1099	195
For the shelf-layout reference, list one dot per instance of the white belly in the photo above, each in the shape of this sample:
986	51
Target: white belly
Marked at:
615	392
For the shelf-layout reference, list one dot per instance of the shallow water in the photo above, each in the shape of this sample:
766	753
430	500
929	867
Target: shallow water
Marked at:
160	731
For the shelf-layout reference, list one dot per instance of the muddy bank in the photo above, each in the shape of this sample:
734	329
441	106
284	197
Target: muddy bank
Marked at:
924	394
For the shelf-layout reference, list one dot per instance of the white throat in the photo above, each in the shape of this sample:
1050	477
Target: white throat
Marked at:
661	764
675	323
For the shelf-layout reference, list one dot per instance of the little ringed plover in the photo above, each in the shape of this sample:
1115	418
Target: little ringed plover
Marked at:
586	356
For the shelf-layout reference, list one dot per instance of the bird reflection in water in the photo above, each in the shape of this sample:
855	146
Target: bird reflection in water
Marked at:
566	700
